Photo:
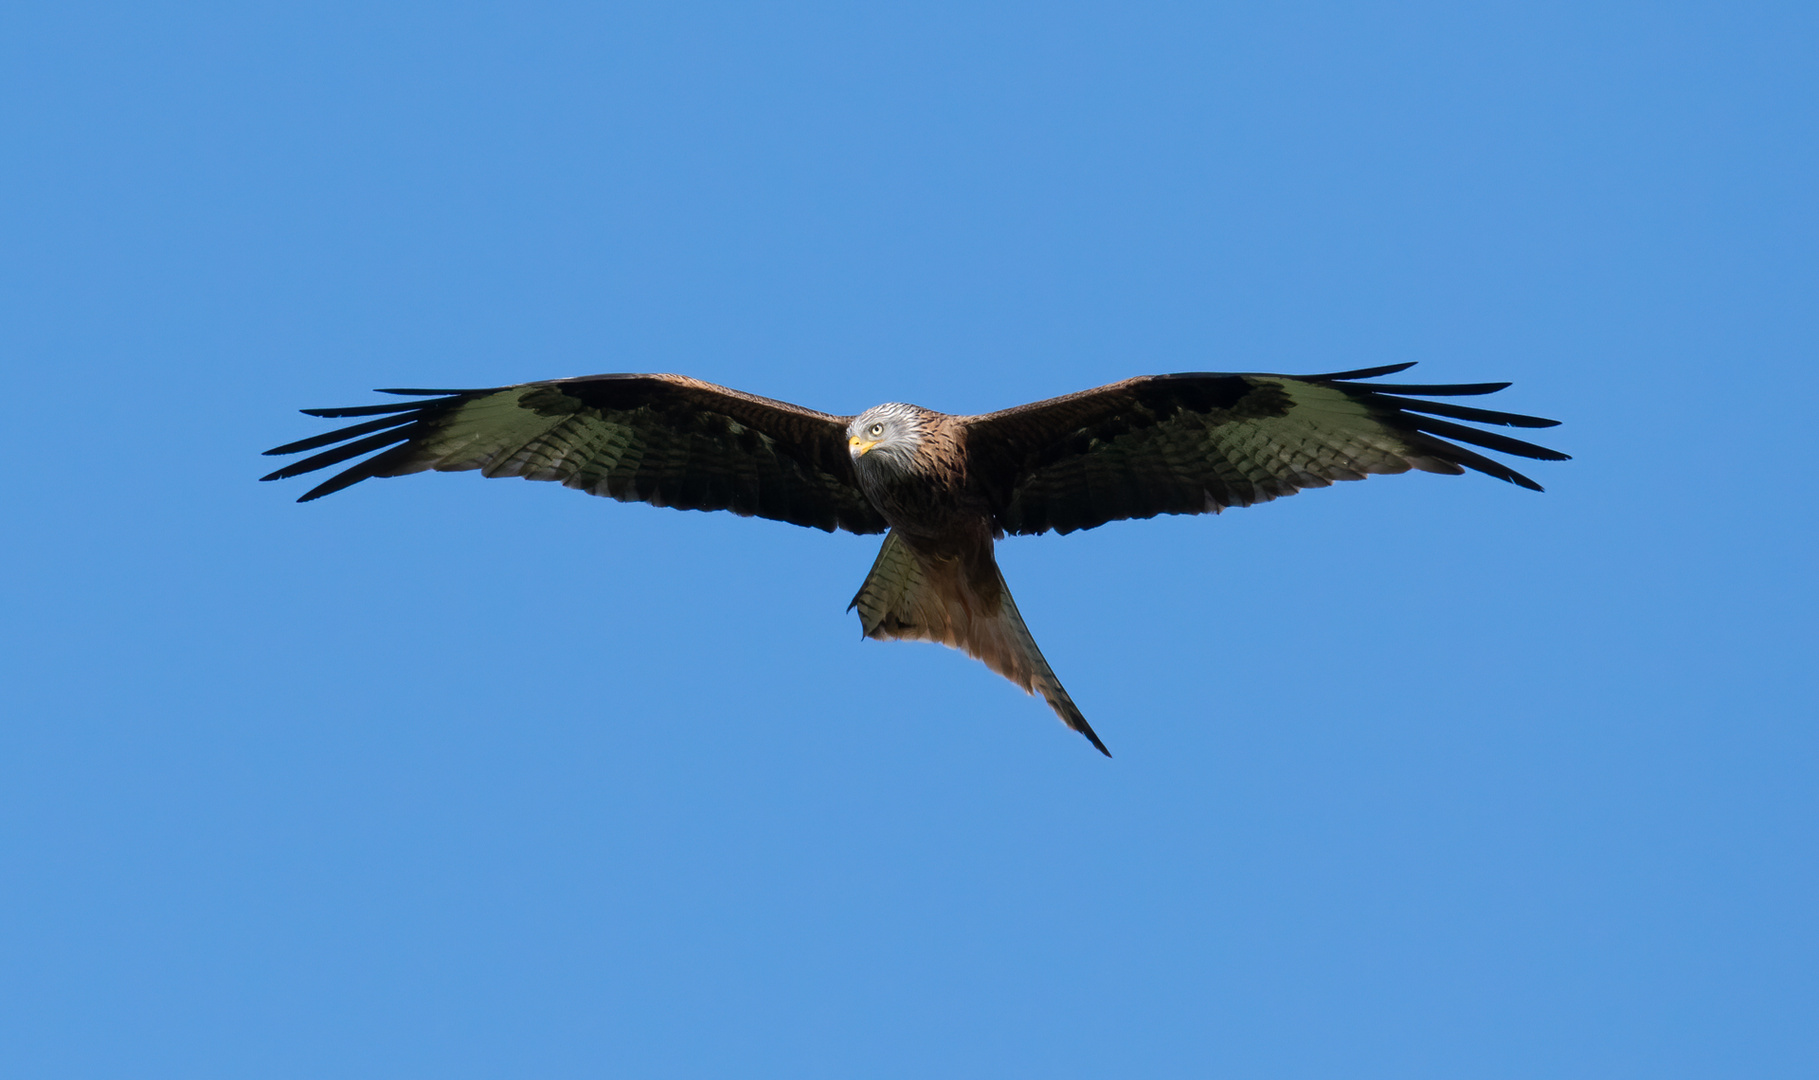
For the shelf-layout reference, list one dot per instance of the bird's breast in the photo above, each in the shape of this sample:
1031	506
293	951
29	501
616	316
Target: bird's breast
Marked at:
928	508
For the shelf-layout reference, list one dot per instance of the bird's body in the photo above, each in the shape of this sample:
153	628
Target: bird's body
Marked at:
943	487
936	578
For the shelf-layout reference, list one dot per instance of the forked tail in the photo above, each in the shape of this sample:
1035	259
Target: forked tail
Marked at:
963	603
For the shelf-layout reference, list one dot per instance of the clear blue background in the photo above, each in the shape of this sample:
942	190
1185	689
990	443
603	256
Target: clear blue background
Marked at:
442	777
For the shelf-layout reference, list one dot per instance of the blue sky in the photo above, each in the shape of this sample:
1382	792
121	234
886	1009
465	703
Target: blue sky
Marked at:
443	777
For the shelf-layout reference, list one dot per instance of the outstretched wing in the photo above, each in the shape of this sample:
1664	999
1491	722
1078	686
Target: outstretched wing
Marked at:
667	440
1199	442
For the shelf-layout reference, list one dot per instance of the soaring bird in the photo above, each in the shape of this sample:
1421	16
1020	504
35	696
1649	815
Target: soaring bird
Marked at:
942	488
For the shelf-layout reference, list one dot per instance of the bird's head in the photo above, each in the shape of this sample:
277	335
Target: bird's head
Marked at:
885	437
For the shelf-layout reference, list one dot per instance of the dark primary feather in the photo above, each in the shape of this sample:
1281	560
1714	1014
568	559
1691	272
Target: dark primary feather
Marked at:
1463	412
662	439
1199	442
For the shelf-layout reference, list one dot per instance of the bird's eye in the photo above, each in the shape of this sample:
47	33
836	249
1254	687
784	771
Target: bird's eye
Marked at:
876	431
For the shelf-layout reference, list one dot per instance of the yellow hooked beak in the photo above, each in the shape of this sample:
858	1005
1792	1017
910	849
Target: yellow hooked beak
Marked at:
860	447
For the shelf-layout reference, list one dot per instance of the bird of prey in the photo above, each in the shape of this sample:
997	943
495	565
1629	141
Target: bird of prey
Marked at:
942	488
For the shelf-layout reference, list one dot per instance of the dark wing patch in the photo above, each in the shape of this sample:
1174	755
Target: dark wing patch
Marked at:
1198	442
661	439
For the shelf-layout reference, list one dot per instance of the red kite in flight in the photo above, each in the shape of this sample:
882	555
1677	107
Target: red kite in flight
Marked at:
943	487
